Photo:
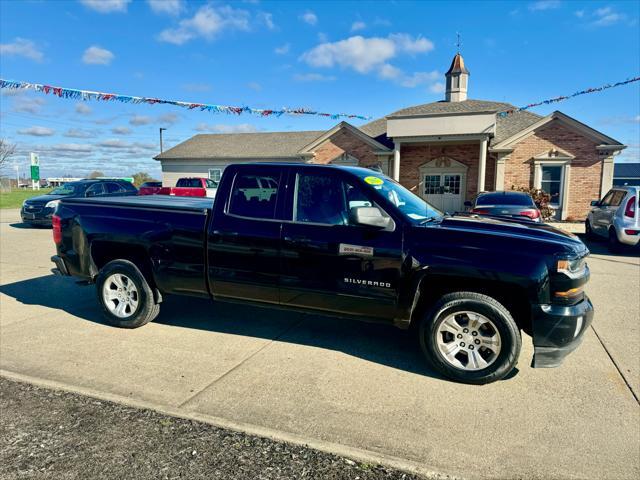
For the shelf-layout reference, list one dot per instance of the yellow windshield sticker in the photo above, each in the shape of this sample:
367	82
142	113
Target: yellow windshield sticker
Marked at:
373	180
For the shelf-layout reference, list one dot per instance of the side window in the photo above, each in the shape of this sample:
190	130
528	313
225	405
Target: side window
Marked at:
94	190
215	174
617	197
112	188
254	195
320	198
606	201
211	184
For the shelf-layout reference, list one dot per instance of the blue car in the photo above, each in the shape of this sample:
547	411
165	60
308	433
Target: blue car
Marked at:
38	210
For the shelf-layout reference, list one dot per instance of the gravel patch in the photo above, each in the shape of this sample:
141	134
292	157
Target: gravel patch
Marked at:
53	434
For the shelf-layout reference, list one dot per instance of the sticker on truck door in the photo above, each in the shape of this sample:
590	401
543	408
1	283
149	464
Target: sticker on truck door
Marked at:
346	249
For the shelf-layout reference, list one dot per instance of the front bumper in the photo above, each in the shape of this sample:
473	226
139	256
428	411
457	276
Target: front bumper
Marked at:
558	331
41	217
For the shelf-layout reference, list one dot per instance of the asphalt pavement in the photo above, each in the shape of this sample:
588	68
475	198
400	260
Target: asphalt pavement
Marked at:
356	390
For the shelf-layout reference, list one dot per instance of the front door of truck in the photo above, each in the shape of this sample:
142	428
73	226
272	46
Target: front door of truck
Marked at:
328	263
244	238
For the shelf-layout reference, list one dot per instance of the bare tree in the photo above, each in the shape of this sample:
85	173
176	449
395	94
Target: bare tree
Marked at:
7	150
96	174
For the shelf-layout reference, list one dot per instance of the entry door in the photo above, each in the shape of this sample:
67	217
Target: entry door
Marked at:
444	191
330	264
244	243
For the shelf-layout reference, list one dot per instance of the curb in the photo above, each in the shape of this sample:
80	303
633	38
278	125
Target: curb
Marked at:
353	453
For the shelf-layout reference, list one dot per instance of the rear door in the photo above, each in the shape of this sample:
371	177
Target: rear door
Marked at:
244	236
328	263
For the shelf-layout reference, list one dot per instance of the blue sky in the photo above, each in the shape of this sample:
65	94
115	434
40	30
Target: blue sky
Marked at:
368	58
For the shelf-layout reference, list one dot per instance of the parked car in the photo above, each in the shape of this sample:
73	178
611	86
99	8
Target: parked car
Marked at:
192	187
38	210
150	188
505	204
345	241
616	217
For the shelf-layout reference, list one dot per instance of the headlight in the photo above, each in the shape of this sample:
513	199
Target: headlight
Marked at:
52	204
572	267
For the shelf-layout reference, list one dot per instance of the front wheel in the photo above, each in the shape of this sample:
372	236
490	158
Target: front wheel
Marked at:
125	296
471	338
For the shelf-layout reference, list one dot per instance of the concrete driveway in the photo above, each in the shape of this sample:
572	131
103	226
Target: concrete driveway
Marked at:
356	389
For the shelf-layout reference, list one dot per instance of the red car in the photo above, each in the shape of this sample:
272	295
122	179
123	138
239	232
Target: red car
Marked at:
192	187
150	188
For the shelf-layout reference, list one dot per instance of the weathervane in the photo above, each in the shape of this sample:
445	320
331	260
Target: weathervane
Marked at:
458	42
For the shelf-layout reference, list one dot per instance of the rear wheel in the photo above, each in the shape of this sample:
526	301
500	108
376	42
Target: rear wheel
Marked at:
588	230
125	295
470	337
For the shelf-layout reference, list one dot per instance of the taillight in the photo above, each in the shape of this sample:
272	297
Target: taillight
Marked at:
630	209
57	229
480	210
531	213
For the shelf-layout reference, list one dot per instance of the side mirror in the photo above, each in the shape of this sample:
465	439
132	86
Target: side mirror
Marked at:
468	204
369	217
595	203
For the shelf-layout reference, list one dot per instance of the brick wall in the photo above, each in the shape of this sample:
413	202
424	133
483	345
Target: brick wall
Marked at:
586	167
413	156
343	142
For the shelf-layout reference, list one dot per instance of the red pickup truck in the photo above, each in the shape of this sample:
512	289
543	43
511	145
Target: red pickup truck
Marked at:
191	187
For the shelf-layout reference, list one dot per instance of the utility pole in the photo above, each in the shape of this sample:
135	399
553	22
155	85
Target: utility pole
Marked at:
17	167
161	129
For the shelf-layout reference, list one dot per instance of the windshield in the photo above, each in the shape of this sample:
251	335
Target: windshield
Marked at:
517	199
407	202
66	189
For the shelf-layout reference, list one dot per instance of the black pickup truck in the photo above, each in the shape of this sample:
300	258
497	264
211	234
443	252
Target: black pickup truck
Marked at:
344	240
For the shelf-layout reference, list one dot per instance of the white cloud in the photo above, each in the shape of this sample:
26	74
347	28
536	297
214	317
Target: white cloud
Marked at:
197	87
309	17
121	130
207	22
267	19
168	7
27	104
168	118
579	13
607	16
22	47
95	55
283	49
420	78
389	72
313	77
438	87
357	26
138	120
221	128
132	147
542	5
106	6
83	108
254	86
365	54
37	131
78	133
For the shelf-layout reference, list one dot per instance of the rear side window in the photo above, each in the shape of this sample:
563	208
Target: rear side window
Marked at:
189	183
254	195
505	199
112	187
128	186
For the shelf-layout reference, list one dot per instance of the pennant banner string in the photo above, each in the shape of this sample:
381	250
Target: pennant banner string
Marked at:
567	97
77	94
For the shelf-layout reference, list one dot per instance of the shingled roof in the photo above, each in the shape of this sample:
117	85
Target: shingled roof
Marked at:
505	126
242	145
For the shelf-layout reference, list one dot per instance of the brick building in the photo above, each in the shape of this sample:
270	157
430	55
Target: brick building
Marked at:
445	151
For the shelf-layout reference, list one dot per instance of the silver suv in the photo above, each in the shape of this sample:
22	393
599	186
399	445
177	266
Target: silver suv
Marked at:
616	217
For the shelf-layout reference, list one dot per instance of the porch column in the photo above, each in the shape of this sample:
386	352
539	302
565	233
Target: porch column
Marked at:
482	164
396	161
607	175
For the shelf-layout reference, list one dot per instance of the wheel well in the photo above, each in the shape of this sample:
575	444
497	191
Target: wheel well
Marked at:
513	297
104	252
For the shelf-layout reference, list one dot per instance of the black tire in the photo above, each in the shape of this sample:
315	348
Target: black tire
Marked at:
588	231
506	327
147	309
614	244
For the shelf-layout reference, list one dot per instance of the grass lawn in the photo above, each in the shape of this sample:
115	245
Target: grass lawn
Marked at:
14	198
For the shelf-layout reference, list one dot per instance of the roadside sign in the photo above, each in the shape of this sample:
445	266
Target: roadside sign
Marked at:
35	173
35	159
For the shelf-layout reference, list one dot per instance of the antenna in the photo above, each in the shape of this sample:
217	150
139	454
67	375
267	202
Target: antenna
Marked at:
458	42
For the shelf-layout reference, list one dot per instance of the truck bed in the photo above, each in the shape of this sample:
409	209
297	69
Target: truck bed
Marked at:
157	202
